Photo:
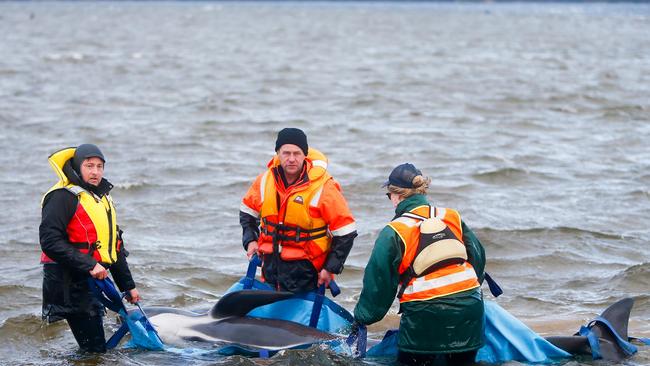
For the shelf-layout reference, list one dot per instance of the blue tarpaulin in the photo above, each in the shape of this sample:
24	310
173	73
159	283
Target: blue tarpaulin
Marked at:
506	339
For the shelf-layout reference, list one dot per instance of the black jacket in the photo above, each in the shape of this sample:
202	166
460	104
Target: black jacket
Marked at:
65	288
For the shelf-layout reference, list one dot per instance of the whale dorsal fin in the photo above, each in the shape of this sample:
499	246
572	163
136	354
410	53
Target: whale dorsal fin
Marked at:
611	329
618	315
239	303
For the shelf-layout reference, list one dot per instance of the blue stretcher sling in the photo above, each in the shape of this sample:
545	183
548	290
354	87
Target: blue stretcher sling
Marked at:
143	334
308	308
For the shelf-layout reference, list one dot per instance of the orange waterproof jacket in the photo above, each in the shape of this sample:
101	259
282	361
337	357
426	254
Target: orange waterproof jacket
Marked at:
299	222
447	280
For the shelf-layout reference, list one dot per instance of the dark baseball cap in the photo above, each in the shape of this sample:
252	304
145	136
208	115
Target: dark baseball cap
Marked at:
402	176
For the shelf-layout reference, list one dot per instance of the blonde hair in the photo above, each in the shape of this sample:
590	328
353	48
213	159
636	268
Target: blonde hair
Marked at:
420	185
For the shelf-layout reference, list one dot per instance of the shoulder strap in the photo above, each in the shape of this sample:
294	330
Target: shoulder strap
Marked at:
406	277
413	216
76	190
418	217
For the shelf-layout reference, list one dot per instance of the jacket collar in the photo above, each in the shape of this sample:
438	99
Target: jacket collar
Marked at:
410	203
315	164
281	179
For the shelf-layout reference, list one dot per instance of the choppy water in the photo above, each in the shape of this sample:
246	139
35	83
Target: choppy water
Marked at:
532	119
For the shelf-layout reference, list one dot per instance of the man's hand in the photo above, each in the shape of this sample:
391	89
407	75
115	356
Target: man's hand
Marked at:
324	277
252	249
98	272
133	296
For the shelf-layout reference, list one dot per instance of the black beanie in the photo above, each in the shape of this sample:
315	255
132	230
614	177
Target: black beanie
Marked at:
293	136
84	152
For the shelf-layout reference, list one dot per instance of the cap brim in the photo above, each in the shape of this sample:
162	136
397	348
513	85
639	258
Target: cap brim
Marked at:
386	183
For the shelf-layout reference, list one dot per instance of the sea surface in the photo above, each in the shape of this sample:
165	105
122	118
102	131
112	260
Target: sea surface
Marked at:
533	120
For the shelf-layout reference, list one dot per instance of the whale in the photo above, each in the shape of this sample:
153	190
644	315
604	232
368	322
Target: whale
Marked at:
227	323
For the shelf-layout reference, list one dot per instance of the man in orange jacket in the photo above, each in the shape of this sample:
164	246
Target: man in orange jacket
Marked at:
296	219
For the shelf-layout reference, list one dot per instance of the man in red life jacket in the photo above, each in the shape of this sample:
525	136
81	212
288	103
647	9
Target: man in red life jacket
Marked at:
80	239
296	218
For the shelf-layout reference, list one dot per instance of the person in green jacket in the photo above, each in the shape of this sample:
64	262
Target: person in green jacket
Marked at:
442	319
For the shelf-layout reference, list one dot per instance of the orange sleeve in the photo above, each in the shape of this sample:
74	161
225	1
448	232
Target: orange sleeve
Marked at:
334	209
252	201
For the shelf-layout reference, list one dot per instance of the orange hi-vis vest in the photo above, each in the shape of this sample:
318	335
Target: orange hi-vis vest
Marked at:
288	226
445	280
93	228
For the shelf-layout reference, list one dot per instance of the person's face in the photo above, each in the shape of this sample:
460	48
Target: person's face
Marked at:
92	171
394	198
291	158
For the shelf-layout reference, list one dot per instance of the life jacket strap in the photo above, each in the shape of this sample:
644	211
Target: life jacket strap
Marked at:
285	227
495	289
281	228
296	238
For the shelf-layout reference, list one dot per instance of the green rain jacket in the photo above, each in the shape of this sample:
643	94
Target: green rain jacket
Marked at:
448	324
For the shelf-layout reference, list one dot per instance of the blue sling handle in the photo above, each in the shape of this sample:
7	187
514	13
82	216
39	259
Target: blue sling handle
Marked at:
645	341
318	302
250	272
106	293
359	335
495	289
111	298
593	341
117	336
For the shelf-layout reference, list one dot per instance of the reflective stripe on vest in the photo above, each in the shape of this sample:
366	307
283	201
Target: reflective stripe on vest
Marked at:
445	281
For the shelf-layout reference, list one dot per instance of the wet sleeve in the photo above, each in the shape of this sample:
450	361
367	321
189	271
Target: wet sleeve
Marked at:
58	209
475	252
121	272
341	246
249	212
334	209
250	228
380	278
